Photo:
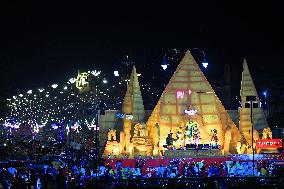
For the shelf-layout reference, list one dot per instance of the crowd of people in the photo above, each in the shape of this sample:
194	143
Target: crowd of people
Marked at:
82	175
32	164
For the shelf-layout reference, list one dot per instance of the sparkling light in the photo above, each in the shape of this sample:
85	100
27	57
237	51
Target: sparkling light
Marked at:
72	80
54	86
116	74
95	73
164	67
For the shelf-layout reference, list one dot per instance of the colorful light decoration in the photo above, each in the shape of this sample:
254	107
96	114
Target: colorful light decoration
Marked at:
45	108
54	126
56	103
82	80
124	116
12	124
92	125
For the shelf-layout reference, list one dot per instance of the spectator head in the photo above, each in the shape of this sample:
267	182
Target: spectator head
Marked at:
118	164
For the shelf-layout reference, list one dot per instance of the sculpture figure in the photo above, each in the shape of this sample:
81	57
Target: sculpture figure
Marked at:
111	136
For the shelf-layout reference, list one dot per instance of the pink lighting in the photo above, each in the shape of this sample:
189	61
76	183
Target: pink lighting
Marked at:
180	94
189	92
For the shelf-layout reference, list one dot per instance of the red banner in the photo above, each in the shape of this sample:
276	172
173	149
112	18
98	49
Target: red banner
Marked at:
151	165
269	143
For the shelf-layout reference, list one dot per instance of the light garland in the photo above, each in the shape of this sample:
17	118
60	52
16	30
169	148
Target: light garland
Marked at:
56	103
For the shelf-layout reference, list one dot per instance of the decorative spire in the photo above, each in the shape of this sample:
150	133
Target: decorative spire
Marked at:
258	117
133	103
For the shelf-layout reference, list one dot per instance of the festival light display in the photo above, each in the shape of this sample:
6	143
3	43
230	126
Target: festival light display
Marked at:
59	104
82	80
62	103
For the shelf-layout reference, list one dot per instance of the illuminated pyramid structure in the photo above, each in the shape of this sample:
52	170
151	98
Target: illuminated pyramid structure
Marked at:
259	119
188	88
132	106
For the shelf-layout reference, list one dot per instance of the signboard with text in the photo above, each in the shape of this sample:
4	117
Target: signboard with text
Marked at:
269	143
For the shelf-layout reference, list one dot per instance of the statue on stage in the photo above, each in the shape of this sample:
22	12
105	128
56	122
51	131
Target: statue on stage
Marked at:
111	136
266	133
170	139
112	146
180	138
214	138
188	129
140	130
196	133
192	133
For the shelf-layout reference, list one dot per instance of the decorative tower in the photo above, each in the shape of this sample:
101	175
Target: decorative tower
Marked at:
258	118
133	109
189	97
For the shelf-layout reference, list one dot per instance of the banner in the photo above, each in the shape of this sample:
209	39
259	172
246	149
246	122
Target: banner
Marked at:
269	143
152	165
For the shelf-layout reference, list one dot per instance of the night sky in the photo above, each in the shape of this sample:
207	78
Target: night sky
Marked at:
45	43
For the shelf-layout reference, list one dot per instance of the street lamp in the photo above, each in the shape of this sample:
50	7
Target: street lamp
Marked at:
54	86
251	103
205	63
165	63
72	80
204	59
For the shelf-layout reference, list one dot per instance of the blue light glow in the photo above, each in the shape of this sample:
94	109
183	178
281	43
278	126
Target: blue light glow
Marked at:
265	94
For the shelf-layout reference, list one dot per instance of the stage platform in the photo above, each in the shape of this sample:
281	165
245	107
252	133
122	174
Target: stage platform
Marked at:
193	153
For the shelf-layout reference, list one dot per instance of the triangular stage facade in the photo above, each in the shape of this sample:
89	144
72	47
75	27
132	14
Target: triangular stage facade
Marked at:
189	89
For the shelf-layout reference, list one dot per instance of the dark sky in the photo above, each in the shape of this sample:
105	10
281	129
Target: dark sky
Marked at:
45	43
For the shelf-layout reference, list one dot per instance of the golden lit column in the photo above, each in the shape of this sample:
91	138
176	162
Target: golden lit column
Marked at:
127	109
132	105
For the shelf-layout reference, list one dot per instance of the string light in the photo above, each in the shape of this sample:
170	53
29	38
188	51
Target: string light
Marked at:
51	105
